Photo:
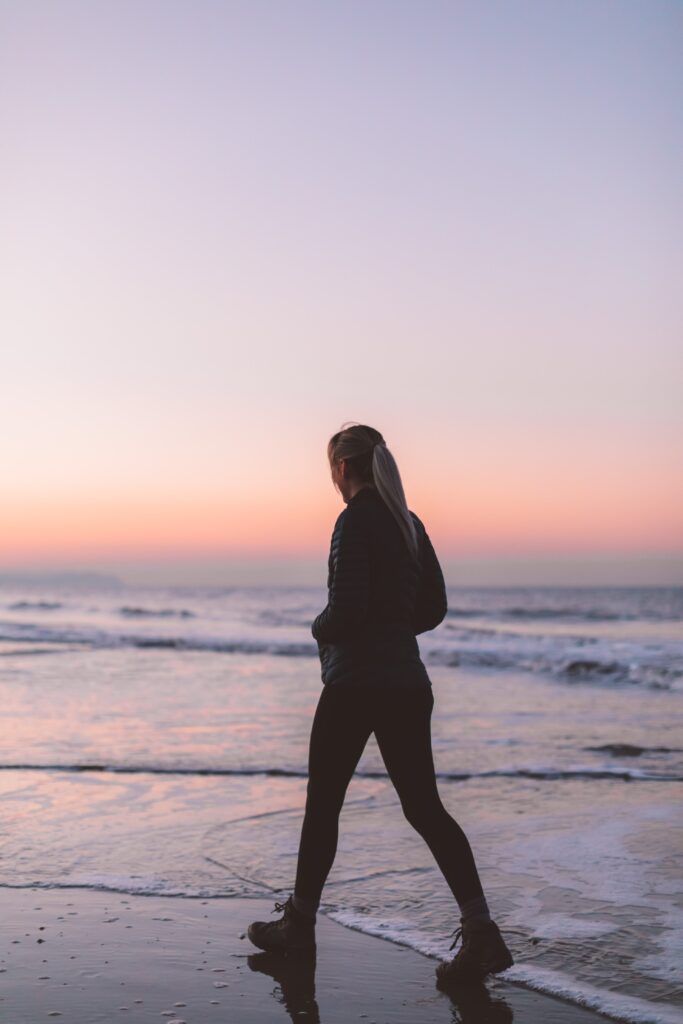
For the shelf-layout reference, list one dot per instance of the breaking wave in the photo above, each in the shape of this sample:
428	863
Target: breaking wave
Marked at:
586	773
156	613
38	606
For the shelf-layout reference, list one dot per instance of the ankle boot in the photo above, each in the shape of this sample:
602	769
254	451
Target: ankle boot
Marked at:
293	932
482	952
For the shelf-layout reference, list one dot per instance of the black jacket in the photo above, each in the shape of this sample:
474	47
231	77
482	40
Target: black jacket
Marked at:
379	598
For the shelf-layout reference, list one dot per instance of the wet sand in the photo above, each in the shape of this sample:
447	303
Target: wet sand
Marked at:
89	956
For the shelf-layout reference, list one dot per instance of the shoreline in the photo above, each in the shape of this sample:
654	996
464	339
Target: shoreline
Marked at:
87	956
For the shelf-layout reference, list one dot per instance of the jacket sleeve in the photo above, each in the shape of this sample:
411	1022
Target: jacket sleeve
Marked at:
349	586
431	604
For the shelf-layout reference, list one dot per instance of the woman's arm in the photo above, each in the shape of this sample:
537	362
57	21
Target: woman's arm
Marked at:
432	604
349	589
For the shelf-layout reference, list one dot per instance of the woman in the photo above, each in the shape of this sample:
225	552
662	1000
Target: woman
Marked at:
385	586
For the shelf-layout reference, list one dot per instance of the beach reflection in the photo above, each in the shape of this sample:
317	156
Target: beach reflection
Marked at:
476	1005
295	979
294	976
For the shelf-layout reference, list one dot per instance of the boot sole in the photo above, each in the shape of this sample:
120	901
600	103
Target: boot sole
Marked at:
473	977
307	948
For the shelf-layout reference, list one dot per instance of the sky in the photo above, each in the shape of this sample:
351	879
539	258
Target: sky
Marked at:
227	228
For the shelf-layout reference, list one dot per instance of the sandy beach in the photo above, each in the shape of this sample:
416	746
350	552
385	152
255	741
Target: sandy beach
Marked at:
90	956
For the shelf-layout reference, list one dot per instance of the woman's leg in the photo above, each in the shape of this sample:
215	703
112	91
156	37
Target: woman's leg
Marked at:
341	728
402	725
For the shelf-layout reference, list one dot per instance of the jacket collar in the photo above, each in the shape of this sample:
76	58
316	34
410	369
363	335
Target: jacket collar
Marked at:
362	495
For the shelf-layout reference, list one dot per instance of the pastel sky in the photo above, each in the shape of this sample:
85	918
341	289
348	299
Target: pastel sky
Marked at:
228	227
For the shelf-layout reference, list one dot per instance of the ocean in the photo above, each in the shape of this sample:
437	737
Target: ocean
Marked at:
155	741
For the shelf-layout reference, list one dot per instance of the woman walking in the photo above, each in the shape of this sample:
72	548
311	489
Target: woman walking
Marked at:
385	586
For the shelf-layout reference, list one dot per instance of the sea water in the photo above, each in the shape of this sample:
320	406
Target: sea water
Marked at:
155	741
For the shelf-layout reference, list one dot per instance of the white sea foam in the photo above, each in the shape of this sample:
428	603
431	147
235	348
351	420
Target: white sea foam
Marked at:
564	926
131	885
402	933
612	1004
667	962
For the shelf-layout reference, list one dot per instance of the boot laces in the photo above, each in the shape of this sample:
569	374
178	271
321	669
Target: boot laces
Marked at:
457	935
279	908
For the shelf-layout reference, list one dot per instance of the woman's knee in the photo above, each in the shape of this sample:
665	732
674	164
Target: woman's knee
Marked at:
324	800
425	815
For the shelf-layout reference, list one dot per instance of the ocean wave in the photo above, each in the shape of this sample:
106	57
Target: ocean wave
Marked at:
31	633
274	617
130	611
17	652
612	1004
129	886
286	650
655	673
586	773
570	604
643	664
39	606
631	750
552	614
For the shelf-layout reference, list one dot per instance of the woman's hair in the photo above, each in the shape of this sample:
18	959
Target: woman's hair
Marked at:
370	461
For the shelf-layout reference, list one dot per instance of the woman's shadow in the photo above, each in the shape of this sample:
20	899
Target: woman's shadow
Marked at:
295	990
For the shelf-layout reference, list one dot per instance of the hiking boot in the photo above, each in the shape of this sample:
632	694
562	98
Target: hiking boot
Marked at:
482	952
292	933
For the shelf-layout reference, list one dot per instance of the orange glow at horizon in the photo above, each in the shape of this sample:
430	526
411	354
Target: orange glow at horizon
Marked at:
500	513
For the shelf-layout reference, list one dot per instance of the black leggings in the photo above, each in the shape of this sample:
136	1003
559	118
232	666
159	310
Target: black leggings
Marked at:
401	721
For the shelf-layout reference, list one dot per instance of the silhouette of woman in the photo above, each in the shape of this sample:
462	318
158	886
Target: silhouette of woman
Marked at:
385	587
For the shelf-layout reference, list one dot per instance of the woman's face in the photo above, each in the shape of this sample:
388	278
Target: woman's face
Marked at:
340	479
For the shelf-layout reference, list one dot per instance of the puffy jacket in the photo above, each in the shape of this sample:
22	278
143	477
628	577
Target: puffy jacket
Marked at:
379	599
